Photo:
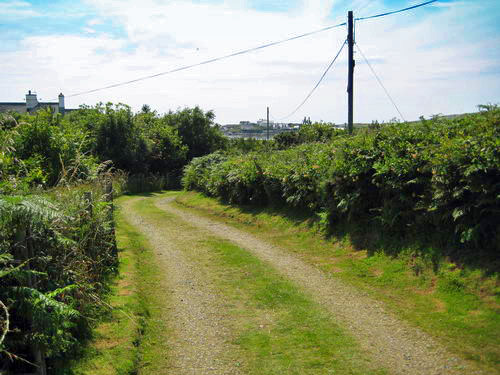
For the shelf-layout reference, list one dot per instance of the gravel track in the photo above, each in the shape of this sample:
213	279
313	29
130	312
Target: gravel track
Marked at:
392	343
200	341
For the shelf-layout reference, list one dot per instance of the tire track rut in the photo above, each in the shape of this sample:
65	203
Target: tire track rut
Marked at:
200	343
391	342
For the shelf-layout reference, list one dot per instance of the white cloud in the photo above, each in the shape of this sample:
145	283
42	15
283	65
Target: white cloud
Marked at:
161	36
450	4
17	9
95	21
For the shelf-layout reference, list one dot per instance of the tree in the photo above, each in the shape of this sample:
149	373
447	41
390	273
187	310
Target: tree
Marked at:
119	140
167	153
197	131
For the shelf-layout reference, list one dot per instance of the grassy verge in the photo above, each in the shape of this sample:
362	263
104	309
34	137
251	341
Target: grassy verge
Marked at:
276	329
459	307
130	338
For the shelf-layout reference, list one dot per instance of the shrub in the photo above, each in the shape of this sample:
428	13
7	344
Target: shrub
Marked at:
56	253
317	132
439	175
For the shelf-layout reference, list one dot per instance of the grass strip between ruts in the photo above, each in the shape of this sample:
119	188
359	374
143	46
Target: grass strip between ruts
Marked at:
278	329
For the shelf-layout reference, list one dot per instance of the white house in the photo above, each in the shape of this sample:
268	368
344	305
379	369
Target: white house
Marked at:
32	105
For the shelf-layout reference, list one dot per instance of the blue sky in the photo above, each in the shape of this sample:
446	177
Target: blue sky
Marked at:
25	18
68	16
441	58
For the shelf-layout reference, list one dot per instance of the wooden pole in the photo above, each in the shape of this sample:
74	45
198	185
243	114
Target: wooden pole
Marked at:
350	84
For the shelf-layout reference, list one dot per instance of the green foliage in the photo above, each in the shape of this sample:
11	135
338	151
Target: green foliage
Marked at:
118	139
197	173
437	175
246	145
56	253
196	130
317	132
42	150
288	176
46	149
167	152
286	140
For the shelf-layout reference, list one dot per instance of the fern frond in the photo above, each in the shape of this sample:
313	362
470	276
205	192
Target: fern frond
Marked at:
5	258
59	291
41	302
7	271
28	209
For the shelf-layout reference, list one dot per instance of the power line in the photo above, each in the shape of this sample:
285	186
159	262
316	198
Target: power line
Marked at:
373	71
208	61
396	11
380	82
242	52
316	86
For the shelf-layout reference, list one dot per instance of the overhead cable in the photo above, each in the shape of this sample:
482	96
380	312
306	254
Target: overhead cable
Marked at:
186	67
317	84
380	82
395	11
208	61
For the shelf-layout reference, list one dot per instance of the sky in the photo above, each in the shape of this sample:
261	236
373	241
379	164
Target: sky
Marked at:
442	58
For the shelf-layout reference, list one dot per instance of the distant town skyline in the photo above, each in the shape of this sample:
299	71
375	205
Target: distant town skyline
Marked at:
437	59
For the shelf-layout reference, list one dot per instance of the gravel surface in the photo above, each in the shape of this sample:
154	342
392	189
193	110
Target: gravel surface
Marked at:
392	343
200	343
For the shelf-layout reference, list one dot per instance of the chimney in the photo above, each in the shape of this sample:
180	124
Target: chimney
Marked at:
61	103
31	100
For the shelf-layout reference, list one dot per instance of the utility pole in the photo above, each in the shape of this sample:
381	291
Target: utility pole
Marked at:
350	84
268	123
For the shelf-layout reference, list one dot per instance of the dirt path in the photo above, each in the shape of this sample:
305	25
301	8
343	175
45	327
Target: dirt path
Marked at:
199	343
391	342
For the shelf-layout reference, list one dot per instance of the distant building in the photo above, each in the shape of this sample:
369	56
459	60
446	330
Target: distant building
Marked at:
32	105
263	122
247	125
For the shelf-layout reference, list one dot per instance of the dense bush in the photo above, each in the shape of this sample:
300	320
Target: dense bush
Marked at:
42	152
246	145
436	175
56	252
197	131
317	132
44	149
